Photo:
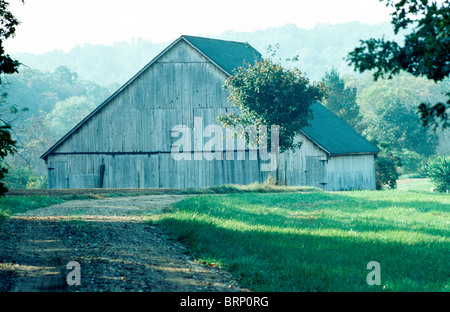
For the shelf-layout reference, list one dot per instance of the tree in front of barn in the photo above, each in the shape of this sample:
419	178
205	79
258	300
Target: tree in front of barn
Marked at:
8	65
268	94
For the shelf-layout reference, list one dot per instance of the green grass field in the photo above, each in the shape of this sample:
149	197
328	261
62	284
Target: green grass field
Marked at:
415	185
319	241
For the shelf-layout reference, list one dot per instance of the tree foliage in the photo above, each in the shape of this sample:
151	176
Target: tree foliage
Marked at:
39	91
268	94
8	24
412	162
389	111
341	100
425	51
24	177
67	113
8	65
6	146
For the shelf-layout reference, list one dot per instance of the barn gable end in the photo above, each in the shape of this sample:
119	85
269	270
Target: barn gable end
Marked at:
164	95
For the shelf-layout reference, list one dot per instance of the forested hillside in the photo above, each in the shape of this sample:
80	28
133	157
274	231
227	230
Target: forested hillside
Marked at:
319	49
54	91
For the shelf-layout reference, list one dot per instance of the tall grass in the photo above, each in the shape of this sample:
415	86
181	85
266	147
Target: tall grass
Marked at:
320	241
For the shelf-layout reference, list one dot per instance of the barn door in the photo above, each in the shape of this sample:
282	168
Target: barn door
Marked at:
58	177
315	171
322	174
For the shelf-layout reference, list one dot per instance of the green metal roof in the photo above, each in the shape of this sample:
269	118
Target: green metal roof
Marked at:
228	55
334	135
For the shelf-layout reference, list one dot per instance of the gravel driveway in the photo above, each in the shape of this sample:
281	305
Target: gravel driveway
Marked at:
116	250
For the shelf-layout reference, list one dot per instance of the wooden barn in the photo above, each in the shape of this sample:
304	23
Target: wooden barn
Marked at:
128	140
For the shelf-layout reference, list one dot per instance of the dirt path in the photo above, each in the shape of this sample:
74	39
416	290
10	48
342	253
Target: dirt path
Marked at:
116	250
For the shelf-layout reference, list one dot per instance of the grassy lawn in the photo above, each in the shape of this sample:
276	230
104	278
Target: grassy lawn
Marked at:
319	241
10	205
415	185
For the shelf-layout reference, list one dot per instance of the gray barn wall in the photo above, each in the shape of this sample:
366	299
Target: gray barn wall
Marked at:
351	172
149	171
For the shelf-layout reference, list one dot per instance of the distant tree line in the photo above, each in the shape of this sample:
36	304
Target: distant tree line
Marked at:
319	49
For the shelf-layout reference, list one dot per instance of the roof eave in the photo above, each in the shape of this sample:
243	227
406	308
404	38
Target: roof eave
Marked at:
353	153
315	142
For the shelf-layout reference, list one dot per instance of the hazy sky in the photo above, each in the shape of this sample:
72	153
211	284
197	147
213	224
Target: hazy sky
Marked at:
62	24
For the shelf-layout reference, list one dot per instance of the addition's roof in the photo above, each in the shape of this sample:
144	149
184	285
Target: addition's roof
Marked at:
335	136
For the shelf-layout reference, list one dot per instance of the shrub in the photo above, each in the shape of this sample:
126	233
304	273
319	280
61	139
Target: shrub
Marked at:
438	170
23	177
412	163
386	172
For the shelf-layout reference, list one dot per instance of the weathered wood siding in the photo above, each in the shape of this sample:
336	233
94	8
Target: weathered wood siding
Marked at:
351	172
304	166
127	144
149	171
180	85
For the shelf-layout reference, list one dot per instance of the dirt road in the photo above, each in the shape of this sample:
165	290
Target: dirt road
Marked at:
116	250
